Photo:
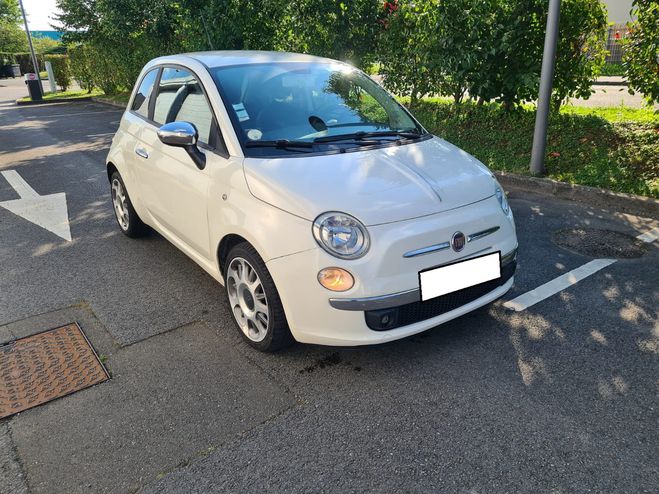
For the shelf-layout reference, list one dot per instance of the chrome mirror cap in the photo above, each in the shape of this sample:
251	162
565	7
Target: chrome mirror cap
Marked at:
181	134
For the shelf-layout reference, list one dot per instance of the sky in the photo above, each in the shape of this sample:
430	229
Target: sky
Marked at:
39	13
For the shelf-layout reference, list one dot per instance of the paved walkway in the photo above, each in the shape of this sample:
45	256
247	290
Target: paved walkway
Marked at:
610	95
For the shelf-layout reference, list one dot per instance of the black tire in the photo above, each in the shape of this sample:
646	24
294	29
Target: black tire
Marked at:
133	227
277	335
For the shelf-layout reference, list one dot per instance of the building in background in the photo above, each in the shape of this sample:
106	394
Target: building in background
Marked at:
54	35
619	10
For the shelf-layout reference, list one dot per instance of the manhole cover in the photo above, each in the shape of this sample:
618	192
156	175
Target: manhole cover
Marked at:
594	242
46	366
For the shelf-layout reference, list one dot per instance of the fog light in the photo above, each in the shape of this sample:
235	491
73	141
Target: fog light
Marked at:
336	279
382	319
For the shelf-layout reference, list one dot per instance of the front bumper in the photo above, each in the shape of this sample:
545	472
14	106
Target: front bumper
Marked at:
408	296
316	315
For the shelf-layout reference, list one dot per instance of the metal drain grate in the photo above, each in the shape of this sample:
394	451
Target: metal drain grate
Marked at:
46	366
595	242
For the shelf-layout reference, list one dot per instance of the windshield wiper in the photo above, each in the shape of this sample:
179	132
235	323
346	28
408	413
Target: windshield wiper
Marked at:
360	136
280	144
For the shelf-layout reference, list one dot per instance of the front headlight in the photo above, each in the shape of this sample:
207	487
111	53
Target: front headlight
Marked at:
501	197
341	235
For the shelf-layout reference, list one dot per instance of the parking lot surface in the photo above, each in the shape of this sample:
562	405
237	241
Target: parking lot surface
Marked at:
560	396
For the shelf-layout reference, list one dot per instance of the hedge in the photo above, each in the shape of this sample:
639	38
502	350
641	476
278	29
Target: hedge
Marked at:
61	70
24	60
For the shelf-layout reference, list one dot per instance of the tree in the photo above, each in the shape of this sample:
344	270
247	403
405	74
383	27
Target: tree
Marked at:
10	11
12	37
493	49
581	49
466	38
340	29
406	48
641	55
44	44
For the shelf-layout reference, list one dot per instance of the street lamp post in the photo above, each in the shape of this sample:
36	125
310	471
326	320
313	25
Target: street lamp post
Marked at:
544	97
29	41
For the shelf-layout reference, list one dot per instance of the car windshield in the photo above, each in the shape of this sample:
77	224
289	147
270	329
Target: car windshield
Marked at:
310	107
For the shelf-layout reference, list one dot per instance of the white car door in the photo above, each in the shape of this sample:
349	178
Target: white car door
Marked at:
173	188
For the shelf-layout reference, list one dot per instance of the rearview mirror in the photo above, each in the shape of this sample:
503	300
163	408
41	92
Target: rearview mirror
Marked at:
183	135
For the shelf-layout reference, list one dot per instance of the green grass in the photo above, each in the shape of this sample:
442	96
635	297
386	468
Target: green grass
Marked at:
612	148
66	95
615	114
613	69
121	98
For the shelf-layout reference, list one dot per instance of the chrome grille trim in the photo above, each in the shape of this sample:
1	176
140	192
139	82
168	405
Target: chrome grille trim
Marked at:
427	250
445	245
482	233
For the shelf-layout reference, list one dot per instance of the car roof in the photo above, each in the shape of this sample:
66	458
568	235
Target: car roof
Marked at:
228	58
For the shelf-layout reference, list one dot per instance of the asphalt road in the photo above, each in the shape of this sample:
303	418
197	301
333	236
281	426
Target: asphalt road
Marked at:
561	397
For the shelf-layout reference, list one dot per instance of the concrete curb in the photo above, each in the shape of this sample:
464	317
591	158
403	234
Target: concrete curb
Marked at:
109	102
606	199
604	82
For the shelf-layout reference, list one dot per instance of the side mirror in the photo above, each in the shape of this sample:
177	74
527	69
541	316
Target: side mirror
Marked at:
183	135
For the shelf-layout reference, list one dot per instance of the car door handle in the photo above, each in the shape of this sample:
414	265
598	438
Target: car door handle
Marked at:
141	152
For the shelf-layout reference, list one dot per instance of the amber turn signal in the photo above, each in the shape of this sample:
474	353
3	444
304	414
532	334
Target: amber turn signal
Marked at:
336	279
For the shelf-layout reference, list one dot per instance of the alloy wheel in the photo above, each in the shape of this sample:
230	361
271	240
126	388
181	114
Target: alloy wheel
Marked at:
247	298
119	202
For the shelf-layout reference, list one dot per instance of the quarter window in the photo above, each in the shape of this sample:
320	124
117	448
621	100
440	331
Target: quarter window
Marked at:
141	100
181	98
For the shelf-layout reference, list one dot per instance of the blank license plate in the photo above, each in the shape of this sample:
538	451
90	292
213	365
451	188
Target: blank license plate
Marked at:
439	281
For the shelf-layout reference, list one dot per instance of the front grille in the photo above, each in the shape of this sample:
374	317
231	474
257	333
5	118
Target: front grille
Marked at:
403	315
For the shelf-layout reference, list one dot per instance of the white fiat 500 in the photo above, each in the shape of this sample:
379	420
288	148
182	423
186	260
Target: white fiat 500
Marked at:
326	210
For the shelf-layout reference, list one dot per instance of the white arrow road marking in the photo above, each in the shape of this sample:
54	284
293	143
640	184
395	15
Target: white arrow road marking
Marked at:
568	279
49	211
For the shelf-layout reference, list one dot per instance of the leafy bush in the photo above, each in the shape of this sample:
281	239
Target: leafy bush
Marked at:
81	66
103	67
641	55
61	70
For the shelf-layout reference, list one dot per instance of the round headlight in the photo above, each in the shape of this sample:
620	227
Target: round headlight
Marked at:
341	235
501	197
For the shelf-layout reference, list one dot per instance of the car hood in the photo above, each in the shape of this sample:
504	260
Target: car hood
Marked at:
376	186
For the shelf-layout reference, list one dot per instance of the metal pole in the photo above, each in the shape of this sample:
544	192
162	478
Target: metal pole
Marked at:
544	97
29	40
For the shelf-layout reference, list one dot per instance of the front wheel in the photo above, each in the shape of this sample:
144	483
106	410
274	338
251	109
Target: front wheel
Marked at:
254	301
128	220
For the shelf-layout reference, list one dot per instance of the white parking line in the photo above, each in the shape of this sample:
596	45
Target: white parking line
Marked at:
568	279
557	284
650	236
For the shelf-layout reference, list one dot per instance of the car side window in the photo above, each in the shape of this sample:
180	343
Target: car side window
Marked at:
181	98
141	100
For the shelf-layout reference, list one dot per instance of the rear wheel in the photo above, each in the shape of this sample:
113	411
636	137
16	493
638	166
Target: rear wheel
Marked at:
254	301
128	220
